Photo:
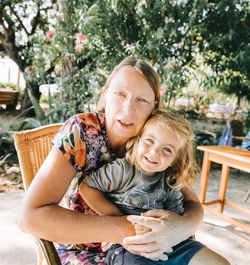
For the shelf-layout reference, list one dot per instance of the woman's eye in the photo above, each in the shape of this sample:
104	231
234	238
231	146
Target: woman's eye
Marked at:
142	100
118	93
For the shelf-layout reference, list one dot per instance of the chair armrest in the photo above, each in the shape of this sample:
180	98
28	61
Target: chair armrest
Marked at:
49	251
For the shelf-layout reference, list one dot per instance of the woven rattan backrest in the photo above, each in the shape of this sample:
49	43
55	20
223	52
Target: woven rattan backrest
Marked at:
32	148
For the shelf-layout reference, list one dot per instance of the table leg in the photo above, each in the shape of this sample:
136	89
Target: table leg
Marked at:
223	187
204	177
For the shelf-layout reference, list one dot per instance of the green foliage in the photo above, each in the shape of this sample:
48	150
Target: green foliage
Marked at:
8	85
83	40
203	138
53	115
225	33
7	148
22	25
158	32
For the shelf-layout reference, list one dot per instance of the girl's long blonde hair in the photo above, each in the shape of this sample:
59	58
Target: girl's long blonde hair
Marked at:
184	167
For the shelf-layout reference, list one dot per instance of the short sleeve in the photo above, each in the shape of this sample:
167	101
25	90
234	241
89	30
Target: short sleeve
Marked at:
174	202
73	137
107	178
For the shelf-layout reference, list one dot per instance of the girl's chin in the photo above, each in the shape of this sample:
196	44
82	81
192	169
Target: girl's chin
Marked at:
148	173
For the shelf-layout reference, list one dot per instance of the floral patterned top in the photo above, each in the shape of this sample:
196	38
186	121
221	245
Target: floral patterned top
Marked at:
83	141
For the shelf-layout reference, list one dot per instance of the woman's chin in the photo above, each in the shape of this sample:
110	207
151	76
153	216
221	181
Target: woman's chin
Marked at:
125	131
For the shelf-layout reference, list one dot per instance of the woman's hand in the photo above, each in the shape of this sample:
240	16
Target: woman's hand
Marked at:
166	230
141	230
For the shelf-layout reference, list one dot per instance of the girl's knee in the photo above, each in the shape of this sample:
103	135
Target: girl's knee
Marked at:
207	256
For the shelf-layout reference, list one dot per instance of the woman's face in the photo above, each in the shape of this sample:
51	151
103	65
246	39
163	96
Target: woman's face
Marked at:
129	102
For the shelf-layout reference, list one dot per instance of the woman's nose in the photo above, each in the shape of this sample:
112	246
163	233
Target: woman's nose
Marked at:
130	105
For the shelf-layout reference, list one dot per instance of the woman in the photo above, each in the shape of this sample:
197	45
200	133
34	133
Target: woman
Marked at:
87	141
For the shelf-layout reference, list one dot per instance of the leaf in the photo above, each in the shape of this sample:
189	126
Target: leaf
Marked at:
159	33
40	114
93	10
30	123
55	115
6	157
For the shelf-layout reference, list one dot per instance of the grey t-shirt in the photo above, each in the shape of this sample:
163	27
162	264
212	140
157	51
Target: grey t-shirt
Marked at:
134	192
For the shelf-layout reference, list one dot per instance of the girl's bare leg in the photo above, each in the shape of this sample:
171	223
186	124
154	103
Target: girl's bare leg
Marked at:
208	257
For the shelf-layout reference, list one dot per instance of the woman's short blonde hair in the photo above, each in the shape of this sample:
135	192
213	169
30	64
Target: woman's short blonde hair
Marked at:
141	66
184	167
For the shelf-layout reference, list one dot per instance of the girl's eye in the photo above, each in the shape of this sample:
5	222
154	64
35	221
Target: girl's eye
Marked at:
167	150
149	141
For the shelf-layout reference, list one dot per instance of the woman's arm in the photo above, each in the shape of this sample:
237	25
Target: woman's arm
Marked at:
168	228
193	211
43	217
97	201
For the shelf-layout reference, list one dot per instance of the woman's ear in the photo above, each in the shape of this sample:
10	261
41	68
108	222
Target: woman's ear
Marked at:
102	101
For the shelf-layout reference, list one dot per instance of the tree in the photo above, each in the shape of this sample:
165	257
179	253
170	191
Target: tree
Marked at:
21	23
224	30
88	38
157	31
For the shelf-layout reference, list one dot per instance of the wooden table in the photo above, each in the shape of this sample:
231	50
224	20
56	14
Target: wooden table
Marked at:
228	157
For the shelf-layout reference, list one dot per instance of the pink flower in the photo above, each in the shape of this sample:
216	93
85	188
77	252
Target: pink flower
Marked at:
79	47
49	35
163	91
79	36
165	68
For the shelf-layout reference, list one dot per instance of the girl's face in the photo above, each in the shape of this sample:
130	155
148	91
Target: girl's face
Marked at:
156	149
129	102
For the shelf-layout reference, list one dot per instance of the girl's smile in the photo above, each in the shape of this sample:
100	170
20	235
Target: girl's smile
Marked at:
157	148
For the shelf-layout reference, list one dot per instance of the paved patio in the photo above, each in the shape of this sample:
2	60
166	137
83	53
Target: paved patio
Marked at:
18	248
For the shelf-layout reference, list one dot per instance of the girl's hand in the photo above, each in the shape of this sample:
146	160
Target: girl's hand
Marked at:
141	229
167	230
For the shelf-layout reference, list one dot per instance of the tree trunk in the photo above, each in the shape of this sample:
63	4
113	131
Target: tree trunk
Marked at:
238	100
34	89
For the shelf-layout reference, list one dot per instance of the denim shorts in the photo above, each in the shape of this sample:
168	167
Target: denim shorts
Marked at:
181	255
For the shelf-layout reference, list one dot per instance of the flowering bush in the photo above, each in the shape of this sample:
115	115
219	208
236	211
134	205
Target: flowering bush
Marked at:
49	35
103	34
89	39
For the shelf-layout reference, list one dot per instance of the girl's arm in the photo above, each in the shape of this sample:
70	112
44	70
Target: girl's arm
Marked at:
43	217
97	201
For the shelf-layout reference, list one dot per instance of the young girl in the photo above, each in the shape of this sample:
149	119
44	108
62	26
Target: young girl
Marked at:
159	162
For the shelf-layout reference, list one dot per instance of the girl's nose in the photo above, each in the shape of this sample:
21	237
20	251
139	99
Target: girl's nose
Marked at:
154	152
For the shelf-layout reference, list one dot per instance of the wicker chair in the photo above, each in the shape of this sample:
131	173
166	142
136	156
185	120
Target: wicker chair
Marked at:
32	148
